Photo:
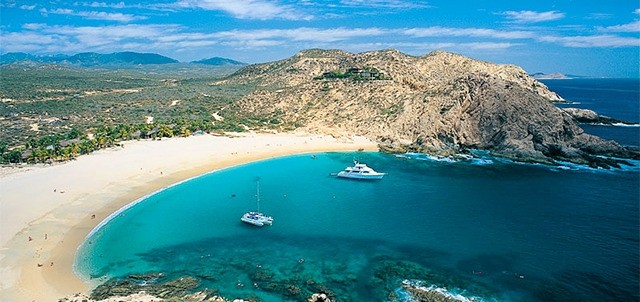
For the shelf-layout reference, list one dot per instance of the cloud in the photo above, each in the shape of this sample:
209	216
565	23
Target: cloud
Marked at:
398	4
247	9
94	15
637	11
34	26
303	34
27	7
629	27
69	39
172	38
527	16
597	41
437	31
105	5
598	16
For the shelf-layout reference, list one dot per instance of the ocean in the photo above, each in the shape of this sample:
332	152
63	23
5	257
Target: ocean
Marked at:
483	229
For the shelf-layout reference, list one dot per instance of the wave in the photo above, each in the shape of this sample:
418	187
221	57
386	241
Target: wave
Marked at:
569	166
439	293
456	158
484	158
615	124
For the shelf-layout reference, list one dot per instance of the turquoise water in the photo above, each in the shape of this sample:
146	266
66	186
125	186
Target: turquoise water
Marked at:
485	228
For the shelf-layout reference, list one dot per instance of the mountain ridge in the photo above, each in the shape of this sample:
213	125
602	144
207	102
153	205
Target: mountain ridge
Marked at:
93	59
440	103
218	61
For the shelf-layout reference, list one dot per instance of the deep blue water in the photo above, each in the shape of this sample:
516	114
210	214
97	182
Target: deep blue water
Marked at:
616	98
484	228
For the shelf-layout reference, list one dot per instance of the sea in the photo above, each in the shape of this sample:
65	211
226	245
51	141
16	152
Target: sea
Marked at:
473	229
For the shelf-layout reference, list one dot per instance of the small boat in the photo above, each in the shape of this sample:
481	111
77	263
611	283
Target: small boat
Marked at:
360	171
256	218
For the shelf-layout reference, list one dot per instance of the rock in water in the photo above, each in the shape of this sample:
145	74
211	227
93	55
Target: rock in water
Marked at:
591	117
441	103
319	298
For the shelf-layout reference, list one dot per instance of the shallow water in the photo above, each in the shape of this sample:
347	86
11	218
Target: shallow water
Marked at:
487	228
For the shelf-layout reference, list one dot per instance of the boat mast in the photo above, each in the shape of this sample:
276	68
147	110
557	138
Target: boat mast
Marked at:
258	194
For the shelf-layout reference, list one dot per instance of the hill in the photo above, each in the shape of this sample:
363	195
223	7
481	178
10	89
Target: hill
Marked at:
118	58
441	103
217	61
89	59
550	76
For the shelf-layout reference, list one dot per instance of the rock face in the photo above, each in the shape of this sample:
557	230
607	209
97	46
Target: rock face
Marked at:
440	103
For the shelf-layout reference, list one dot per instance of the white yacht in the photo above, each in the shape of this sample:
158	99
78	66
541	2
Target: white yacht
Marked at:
256	218
360	171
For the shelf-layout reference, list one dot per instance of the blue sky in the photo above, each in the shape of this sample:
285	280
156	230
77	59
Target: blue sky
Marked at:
586	37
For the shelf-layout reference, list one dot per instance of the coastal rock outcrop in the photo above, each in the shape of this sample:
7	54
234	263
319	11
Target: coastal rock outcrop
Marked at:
441	103
152	284
591	117
319	298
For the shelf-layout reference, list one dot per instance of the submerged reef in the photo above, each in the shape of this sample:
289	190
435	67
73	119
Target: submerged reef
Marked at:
385	282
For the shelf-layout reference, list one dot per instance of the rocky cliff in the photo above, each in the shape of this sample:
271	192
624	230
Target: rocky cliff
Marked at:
440	103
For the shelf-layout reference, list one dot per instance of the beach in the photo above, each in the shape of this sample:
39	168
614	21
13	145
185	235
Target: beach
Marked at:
46	211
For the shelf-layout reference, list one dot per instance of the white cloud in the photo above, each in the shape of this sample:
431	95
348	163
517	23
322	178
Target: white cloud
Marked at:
637	11
301	34
27	7
600	41
247	9
599	16
43	38
437	31
94	15
629	27
34	26
105	5
385	3
527	16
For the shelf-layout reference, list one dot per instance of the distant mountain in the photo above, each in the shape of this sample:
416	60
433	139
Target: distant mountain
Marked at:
13	57
90	59
117	58
557	76
550	76
217	61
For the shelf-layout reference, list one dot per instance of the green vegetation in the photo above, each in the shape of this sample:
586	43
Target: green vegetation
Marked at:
51	113
367	73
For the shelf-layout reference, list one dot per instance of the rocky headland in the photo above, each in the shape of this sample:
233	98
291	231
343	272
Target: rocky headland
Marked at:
441	103
587	116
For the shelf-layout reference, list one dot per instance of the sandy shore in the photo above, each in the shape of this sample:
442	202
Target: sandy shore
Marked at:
46	211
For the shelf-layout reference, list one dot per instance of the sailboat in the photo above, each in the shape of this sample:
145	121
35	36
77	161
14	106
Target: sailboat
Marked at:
256	218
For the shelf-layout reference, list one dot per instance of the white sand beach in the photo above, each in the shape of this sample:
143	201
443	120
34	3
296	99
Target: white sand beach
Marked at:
47	210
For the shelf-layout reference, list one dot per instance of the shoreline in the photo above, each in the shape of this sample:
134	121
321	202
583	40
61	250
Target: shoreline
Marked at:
47	211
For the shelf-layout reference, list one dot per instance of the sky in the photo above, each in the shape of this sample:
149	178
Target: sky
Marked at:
585	37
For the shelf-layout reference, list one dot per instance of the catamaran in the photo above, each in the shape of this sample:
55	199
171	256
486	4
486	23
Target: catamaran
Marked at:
256	218
360	171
